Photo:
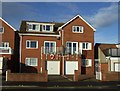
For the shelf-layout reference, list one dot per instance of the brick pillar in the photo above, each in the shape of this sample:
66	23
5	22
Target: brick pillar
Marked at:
79	64
76	75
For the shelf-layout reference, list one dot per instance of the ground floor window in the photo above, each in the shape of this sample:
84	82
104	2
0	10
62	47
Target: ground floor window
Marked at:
31	61
86	62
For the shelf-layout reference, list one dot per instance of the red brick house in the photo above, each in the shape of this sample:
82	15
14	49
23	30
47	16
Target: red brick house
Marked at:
57	48
107	61
7	47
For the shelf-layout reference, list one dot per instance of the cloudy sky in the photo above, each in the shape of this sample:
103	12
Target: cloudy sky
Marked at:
101	15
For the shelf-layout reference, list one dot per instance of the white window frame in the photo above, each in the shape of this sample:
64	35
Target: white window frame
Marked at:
80	28
89	64
31	62
5	43
72	46
31	29
50	42
30	44
86	48
44	30
2	29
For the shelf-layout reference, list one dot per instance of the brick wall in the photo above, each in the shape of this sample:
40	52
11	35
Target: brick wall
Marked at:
104	67
27	77
112	76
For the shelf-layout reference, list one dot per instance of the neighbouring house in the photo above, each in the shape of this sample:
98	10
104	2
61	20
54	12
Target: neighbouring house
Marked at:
107	61
53	48
8	47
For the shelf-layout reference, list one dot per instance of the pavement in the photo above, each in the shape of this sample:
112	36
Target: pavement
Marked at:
60	85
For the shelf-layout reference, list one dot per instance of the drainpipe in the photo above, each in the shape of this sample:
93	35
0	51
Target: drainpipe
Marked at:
41	60
20	53
62	53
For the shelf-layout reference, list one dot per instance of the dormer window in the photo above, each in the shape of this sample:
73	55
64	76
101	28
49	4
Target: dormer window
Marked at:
37	27
1	30
77	29
33	27
47	28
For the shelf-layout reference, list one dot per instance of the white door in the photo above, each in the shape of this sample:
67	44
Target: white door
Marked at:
117	67
1	64
53	67
70	67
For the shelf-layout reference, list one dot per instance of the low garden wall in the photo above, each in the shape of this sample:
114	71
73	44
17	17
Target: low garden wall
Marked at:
112	76
26	77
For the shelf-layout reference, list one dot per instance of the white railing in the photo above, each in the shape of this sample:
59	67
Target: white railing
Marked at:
6	50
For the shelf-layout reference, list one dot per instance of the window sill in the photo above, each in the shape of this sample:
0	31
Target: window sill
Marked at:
31	48
87	66
77	32
32	65
87	49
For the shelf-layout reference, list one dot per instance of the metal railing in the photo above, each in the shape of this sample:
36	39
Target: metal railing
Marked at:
6	50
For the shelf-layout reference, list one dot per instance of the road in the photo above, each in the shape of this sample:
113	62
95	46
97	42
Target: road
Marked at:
35	86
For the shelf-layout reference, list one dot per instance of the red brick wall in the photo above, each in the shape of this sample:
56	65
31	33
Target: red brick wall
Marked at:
27	77
104	67
8	35
86	36
36	52
112	76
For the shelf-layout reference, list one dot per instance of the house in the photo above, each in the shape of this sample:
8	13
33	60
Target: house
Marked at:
54	48
8	54
107	61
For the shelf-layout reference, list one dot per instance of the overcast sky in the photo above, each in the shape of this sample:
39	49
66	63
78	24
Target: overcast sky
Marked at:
101	15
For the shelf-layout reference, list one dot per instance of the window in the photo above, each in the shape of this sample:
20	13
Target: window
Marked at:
33	27
31	61
86	46
1	30
50	47
31	44
72	47
47	27
77	29
86	62
5	44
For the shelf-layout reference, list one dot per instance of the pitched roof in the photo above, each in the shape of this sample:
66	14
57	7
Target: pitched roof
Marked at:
74	19
7	23
106	46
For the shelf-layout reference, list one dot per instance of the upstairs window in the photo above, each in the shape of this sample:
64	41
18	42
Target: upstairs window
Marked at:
77	29
86	62
72	47
86	46
50	47
5	44
1	30
47	28
33	27
31	44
